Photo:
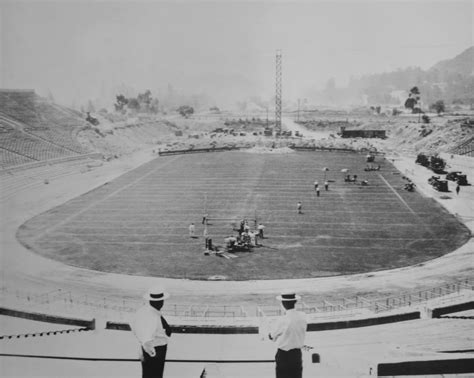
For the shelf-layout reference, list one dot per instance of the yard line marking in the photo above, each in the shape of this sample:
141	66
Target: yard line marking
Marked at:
169	214
72	216
91	222
325	247
398	195
280	236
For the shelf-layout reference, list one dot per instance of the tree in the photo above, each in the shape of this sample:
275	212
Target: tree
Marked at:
133	104
121	102
438	107
396	112
144	100
413	100
154	106
185	110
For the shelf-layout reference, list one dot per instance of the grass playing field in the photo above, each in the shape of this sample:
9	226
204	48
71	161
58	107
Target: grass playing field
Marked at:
138	223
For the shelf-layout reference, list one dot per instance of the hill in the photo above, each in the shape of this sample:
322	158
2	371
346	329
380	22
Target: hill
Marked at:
450	80
462	64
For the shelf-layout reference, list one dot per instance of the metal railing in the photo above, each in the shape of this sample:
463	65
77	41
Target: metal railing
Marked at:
62	302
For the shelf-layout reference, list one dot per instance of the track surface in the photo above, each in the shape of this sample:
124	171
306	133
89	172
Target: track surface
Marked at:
137	224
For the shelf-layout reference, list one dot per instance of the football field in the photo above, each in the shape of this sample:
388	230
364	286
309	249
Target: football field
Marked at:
138	223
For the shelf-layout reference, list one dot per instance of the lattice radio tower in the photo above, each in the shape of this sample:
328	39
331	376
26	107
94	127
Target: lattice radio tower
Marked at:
278	93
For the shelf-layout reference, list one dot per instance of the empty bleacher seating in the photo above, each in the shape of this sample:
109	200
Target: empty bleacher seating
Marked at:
33	129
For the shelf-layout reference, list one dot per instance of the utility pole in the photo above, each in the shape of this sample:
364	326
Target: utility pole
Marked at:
278	92
298	116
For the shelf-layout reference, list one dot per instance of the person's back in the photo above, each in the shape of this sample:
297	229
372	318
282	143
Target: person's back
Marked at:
293	330
289	334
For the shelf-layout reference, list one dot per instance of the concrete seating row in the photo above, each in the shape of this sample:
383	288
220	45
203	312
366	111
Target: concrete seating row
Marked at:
33	148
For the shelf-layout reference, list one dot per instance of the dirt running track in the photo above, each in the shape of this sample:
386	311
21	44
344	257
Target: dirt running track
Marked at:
29	270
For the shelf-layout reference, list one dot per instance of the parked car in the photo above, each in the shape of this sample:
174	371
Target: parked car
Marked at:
458	177
453	176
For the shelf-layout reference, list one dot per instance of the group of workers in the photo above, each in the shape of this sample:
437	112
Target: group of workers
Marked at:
370	167
246	239
353	179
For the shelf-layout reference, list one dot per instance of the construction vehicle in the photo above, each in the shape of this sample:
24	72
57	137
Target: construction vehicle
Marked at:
92	120
462	180
458	177
439	185
423	160
453	176
437	164
268	131
409	187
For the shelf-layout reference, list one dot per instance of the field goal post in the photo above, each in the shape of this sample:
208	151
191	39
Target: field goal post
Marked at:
234	221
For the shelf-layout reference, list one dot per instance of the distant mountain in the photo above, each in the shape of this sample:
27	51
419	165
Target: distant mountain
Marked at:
449	80
462	64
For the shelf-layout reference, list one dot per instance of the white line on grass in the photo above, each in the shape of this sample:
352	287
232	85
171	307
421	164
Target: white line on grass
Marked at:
102	200
281	236
325	247
398	195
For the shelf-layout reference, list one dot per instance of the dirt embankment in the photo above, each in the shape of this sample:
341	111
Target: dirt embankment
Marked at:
405	134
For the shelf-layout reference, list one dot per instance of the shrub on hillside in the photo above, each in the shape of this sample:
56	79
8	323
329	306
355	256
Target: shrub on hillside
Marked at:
438	107
185	110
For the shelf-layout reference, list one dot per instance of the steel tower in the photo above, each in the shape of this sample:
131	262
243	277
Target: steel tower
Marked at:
278	93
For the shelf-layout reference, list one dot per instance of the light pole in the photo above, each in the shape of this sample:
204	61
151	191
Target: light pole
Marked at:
298	116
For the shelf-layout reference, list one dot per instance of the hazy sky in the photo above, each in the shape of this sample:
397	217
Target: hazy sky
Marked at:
75	48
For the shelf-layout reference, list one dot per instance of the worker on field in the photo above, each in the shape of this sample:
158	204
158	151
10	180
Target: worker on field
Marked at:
192	230
299	207
246	227
260	229
317	192
242	226
316	185
253	238
326	185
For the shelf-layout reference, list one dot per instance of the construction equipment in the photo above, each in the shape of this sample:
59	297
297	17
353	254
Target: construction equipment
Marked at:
462	180
409	187
268	132
92	120
423	160
439	185
458	177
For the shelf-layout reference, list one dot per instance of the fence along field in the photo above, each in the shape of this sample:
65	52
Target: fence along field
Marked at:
138	223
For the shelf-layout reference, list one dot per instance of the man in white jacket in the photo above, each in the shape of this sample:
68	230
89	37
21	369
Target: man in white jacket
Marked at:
289	333
153	333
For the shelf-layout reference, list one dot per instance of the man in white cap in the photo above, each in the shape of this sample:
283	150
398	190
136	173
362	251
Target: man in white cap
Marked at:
289	333
153	333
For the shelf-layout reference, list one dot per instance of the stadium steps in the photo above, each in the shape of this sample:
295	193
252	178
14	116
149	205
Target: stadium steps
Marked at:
43	120
10	158
13	182
466	148
59	137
